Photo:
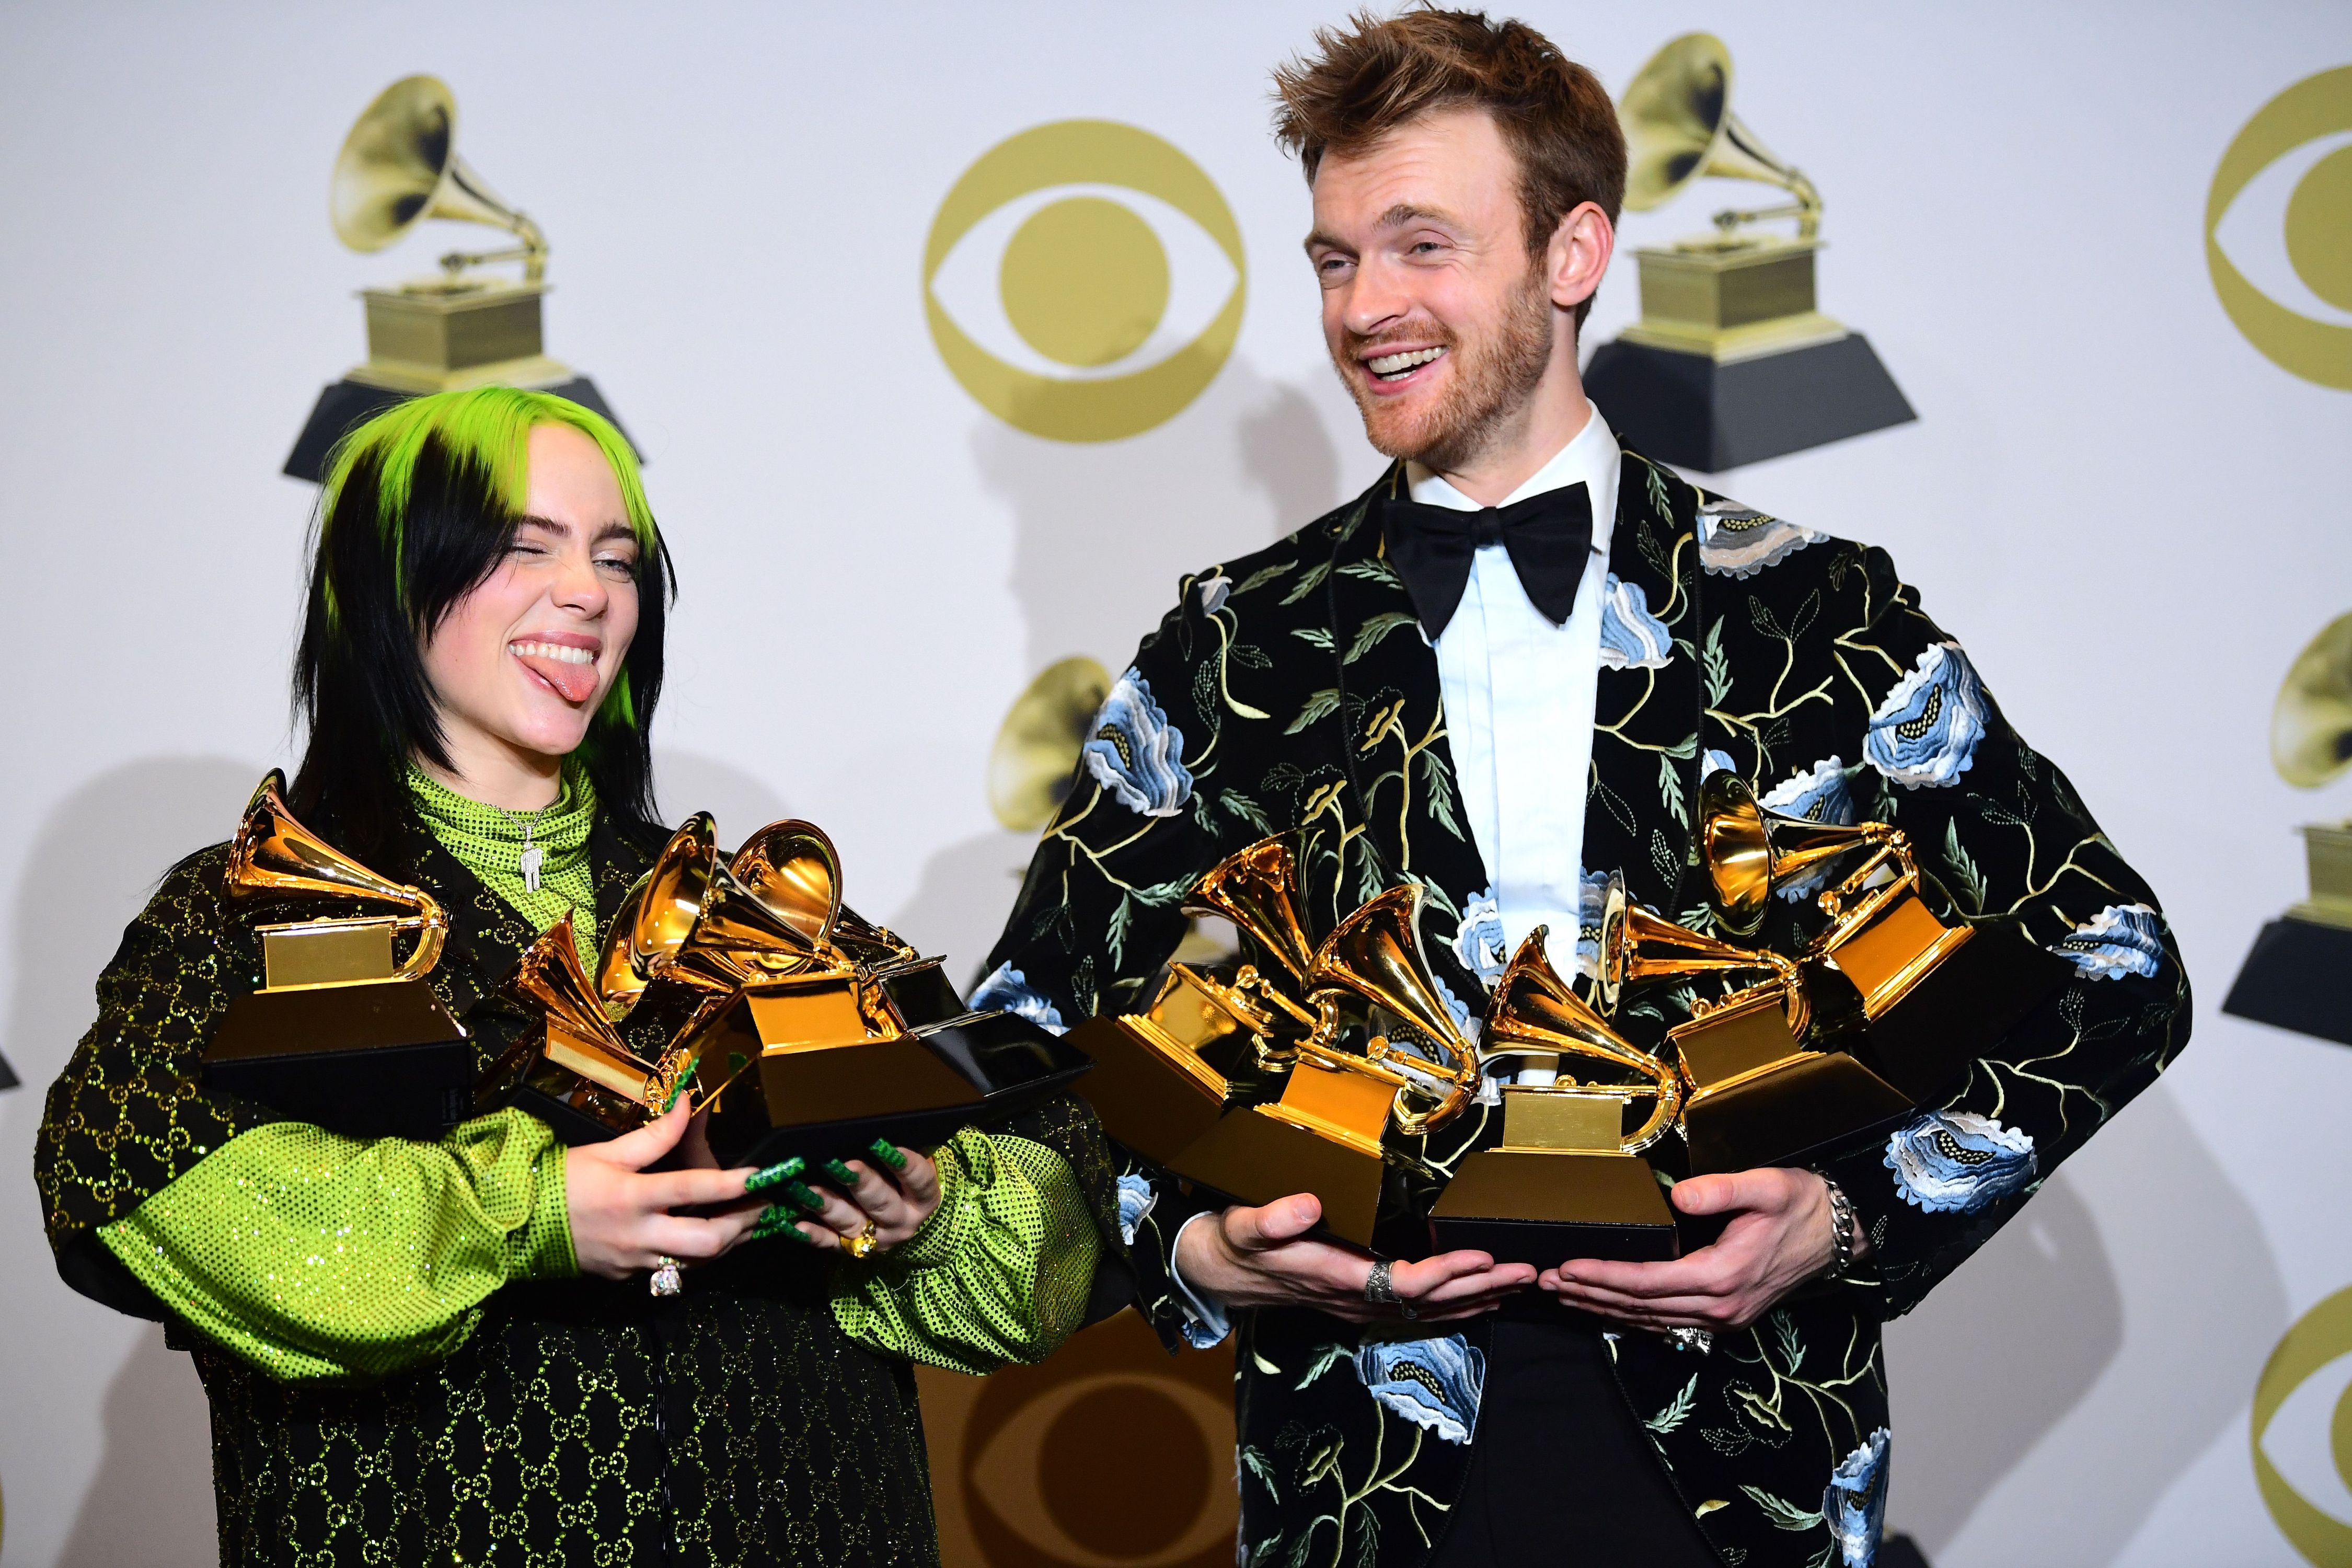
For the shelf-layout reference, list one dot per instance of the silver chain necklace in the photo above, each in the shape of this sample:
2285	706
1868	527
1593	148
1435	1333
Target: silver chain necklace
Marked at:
532	856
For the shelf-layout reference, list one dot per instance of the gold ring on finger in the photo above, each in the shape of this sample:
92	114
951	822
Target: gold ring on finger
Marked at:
861	1243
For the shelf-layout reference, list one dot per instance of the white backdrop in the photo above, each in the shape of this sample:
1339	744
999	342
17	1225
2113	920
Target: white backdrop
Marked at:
2131	518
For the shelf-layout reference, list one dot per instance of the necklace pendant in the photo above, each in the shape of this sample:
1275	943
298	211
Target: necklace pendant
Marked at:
527	864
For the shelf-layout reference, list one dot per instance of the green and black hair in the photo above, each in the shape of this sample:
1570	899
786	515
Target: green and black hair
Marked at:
421	505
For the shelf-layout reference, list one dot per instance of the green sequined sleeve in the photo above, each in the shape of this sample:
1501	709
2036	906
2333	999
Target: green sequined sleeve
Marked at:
315	1256
999	1273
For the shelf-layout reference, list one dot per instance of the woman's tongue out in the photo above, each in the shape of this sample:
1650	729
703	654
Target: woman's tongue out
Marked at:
553	663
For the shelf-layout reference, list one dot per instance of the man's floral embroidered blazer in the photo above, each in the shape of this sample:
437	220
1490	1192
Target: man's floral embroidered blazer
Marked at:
1293	688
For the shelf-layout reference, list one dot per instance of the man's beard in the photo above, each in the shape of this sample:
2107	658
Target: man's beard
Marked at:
1492	381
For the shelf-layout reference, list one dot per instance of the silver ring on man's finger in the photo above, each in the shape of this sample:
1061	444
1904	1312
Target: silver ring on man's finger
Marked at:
1379	1289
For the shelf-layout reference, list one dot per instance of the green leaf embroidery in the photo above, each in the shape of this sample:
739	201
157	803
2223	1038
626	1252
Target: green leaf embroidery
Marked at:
1252	655
1971	880
1659	502
1159	895
1784	1515
1718	666
1374	571
1662	855
1670	783
1319	705
1439	790
1760	616
1082	986
1262	575
1324	1360
1115	937
1314	637
1367	874
1310	579
1239	805
1285	775
1373	630
1675	1413
1792	1350
1254	1463
1368	1538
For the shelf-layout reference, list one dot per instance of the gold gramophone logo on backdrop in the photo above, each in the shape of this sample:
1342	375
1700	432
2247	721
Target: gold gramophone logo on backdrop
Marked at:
2301	1433
2278	229
1084	280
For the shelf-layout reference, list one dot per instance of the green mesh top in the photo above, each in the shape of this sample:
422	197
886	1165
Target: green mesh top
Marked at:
316	1257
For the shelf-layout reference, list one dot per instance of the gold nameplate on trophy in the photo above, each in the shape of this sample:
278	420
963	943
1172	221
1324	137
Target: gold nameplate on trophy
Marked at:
1567	1179
340	1034
1325	1135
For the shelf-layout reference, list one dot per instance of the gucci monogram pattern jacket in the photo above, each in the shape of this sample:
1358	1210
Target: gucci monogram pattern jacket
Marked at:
1291	689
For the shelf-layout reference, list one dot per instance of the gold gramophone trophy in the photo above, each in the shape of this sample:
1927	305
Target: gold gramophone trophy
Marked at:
1933	997
1732	361
572	1069
464	328
2299	974
1567	1179
836	1032
1325	1135
1164	1077
339	1034
1755	1094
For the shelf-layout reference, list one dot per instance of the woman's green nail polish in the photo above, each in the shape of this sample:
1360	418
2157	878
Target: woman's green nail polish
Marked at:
842	1174
802	1198
887	1152
775	1176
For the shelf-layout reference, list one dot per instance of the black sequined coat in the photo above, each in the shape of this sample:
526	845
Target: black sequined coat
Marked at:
1291	689
583	1421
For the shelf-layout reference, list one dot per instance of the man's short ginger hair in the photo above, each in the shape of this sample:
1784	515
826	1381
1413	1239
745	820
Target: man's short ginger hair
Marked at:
1373	77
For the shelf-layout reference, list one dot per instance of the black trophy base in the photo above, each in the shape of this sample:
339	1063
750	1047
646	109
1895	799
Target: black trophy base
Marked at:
1011	1064
1546	1207
348	404
1959	1011
2299	977
399	1065
1687	410
1813	1107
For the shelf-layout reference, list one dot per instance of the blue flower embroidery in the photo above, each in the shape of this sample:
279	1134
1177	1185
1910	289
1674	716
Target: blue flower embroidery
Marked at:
1434	1384
1213	593
1007	990
1713	761
1136	1199
1956	1162
1735	542
1631	638
1926	730
2120	940
1478	941
1817	793
1136	753
1853	1505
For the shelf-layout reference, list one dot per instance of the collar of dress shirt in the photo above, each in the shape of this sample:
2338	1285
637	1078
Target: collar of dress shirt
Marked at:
1592	455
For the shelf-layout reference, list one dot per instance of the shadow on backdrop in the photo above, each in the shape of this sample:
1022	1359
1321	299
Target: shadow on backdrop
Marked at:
153	1505
960	901
688	781
2028	1338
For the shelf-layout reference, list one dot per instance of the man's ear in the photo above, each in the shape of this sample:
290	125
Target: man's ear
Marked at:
1578	257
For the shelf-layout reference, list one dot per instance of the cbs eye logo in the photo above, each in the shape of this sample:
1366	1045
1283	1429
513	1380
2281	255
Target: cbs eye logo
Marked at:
2302	1433
1084	280
2278	229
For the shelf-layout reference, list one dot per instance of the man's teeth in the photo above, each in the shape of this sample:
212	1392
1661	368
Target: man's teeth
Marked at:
1397	364
560	652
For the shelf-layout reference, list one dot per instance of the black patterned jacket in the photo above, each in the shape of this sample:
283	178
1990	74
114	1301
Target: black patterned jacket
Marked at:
1293	688
584	1420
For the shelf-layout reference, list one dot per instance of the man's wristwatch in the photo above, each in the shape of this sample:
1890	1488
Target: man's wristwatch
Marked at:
1841	1231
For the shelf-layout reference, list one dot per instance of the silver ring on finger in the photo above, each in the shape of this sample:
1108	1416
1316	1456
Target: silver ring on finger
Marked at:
1379	1289
666	1280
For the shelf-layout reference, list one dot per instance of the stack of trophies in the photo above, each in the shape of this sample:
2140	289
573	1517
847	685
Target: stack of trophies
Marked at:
1321	1072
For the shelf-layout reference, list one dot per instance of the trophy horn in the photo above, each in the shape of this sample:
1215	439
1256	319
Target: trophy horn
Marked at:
1534	1010
699	921
549	979
2311	725
273	859
1748	850
400	166
794	872
619	969
1638	946
1037	746
1679	129
1375	954
1257	889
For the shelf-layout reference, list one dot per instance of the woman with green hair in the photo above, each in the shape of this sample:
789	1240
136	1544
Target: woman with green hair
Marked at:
447	1352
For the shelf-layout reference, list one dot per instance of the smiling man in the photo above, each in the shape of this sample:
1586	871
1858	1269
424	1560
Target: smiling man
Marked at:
1501	675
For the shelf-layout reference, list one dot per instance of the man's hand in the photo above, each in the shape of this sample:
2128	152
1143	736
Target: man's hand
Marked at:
1778	1239
621	1218
1260	1257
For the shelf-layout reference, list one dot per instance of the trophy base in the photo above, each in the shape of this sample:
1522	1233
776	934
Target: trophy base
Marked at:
1811	1106
1254	1157
832	1102
2298	977
1695	411
349	404
1545	1207
1154	1103
1958	1011
369	1058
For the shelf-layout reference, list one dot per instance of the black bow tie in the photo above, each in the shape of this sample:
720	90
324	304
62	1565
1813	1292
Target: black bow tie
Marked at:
1548	535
